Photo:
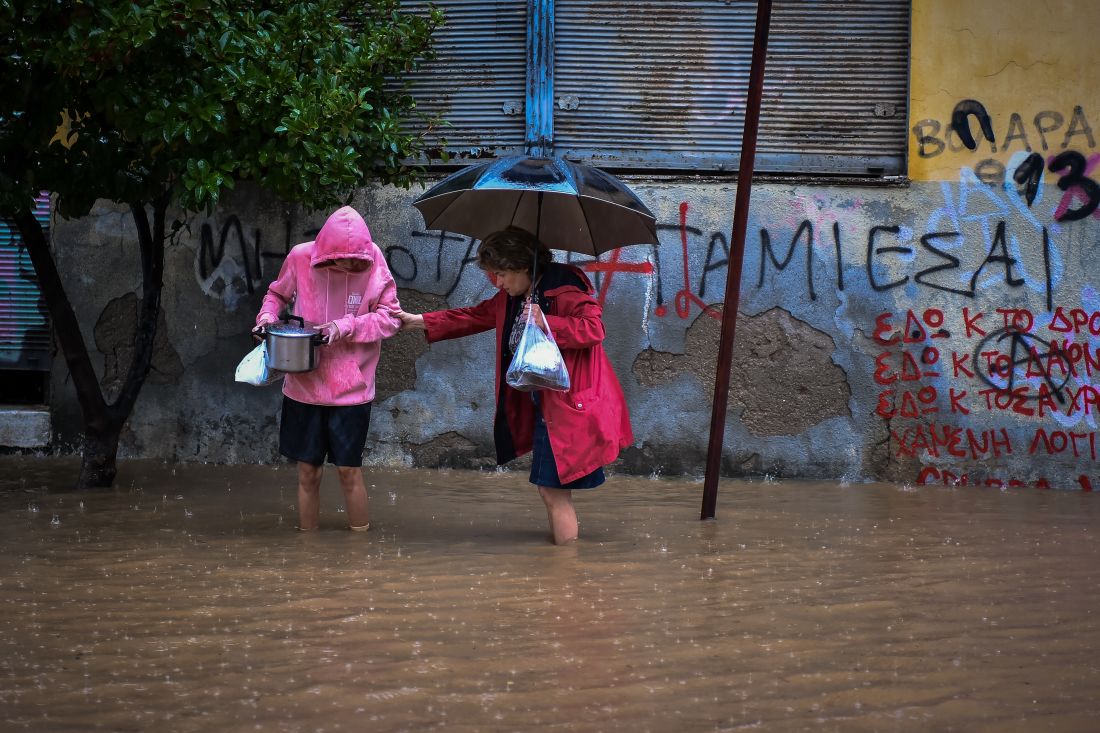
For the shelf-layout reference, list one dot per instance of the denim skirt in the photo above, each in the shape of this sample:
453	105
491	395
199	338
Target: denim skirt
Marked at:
544	470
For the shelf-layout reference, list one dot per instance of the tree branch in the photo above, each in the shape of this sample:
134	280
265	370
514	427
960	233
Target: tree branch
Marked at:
151	241
66	327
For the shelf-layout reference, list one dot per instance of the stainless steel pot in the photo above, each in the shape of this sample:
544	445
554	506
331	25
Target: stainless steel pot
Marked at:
292	347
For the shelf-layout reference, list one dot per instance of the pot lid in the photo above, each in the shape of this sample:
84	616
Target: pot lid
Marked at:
292	330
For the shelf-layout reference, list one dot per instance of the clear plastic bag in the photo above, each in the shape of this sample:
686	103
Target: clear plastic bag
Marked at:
537	363
253	368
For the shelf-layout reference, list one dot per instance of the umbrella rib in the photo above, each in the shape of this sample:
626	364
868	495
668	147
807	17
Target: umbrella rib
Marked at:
519	200
588	227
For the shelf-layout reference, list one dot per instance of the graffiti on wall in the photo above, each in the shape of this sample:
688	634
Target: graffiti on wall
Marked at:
1011	362
984	349
1030	373
1066	146
231	261
236	256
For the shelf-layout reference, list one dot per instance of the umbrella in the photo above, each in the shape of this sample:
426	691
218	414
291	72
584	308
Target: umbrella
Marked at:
566	205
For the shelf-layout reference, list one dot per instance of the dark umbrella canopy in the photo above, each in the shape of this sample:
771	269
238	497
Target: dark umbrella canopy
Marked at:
566	205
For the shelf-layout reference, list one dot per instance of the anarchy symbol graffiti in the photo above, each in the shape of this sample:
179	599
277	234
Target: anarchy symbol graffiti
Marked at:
1010	357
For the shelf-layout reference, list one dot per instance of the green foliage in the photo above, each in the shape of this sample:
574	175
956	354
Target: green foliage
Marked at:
188	96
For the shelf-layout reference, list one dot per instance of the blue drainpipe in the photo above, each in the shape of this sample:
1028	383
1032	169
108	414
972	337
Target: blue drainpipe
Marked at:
540	78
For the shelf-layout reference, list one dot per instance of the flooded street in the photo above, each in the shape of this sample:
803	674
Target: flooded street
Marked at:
185	601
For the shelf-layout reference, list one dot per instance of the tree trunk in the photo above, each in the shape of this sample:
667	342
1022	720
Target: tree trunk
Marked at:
103	422
98	464
66	327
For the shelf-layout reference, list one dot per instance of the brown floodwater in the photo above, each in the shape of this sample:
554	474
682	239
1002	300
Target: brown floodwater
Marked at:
184	600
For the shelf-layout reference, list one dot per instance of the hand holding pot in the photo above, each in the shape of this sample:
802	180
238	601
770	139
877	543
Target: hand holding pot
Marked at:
262	321
331	332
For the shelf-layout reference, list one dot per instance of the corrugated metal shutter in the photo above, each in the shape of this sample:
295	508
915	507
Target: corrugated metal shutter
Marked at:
662	84
478	80
25	338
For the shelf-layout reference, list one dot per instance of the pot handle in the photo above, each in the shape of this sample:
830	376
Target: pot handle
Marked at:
315	339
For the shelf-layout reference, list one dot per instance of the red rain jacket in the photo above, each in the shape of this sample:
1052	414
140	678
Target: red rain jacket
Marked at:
589	424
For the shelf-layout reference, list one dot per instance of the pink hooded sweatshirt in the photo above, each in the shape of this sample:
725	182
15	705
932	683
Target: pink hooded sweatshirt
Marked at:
361	304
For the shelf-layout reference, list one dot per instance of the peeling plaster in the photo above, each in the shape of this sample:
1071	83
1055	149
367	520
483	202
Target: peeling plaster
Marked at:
452	450
783	380
114	337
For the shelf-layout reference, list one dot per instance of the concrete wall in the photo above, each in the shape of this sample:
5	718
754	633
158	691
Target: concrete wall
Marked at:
943	330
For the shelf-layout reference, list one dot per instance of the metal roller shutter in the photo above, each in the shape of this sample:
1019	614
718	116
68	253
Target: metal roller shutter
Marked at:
478	80
653	84
25	337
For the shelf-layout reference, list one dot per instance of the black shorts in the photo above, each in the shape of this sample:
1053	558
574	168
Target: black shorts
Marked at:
309	433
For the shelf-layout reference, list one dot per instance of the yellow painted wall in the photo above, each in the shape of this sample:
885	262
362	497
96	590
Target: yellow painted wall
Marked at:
1014	56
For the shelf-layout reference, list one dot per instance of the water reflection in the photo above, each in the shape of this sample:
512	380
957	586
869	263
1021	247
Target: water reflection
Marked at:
184	600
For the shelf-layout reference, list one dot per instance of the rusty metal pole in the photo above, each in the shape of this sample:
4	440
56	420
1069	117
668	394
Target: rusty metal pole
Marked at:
736	258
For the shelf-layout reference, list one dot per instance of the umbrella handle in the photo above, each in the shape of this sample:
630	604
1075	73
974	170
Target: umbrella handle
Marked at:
538	228
538	218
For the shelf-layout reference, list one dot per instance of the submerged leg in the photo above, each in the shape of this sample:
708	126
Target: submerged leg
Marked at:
355	496
561	514
309	495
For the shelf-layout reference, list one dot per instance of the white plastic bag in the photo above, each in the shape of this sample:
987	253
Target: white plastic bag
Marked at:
537	363
253	368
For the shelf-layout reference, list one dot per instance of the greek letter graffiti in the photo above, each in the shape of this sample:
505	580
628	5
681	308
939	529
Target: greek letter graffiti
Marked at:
960	123
933	137
951	264
872	251
805	229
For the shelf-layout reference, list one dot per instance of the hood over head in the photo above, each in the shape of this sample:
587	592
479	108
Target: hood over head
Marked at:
344	234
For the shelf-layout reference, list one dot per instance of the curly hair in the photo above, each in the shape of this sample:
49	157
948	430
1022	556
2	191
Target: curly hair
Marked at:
513	249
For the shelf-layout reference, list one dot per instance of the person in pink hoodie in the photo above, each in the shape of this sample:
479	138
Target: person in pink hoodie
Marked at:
341	283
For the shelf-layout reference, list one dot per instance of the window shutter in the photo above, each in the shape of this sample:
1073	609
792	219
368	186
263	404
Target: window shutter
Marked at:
663	85
25	337
477	82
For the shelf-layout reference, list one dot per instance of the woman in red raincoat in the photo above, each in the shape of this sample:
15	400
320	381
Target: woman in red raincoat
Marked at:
572	435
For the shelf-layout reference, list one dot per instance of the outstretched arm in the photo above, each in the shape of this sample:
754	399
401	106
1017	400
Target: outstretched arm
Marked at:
379	323
454	322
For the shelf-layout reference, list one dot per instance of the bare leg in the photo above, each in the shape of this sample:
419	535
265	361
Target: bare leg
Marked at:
355	495
309	495
560	512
